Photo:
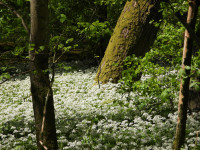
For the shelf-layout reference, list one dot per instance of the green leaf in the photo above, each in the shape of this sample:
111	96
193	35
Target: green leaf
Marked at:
60	46
187	67
68	68
62	18
20	2
69	40
198	72
76	45
165	94
182	73
192	84
42	48
3	68
5	75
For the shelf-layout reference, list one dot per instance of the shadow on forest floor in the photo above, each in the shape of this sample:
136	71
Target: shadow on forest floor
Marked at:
19	70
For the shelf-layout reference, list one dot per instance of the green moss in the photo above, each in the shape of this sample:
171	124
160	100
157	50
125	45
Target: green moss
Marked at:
126	34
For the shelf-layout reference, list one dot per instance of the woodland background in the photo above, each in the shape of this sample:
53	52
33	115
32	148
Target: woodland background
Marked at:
103	74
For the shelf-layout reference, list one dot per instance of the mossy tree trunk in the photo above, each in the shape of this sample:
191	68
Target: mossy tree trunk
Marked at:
42	95
185	81
133	34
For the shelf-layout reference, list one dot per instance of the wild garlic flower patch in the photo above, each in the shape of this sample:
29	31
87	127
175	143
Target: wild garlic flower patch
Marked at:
88	117
16	115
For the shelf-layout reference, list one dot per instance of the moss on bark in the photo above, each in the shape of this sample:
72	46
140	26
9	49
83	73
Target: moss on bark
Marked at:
133	34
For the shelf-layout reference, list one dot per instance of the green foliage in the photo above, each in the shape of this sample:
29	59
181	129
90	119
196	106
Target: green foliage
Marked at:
10	25
4	76
87	22
59	45
195	72
62	18
160	68
159	85
169	8
94	30
109	2
20	2
159	82
19	50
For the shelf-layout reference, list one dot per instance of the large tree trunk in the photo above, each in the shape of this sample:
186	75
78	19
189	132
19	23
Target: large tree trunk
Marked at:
40	84
133	34
185	81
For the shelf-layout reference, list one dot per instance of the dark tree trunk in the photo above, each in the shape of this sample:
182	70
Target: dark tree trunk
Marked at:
40	83
185	81
133	34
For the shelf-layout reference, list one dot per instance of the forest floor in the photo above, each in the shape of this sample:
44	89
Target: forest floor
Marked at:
89	117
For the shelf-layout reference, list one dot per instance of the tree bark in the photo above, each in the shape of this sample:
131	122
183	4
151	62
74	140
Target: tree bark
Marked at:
185	81
42	95
133	34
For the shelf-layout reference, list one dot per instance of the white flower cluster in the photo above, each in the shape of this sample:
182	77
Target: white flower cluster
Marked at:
88	117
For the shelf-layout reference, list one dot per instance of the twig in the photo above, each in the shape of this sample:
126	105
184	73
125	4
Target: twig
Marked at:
17	14
43	145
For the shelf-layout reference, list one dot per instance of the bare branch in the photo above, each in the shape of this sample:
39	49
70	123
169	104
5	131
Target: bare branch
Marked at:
17	14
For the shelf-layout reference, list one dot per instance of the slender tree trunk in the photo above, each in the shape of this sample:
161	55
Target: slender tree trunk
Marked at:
40	84
184	86
133	34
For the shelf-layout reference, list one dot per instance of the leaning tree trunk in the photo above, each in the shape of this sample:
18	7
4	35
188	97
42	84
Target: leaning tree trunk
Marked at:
41	90
133	34
185	81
